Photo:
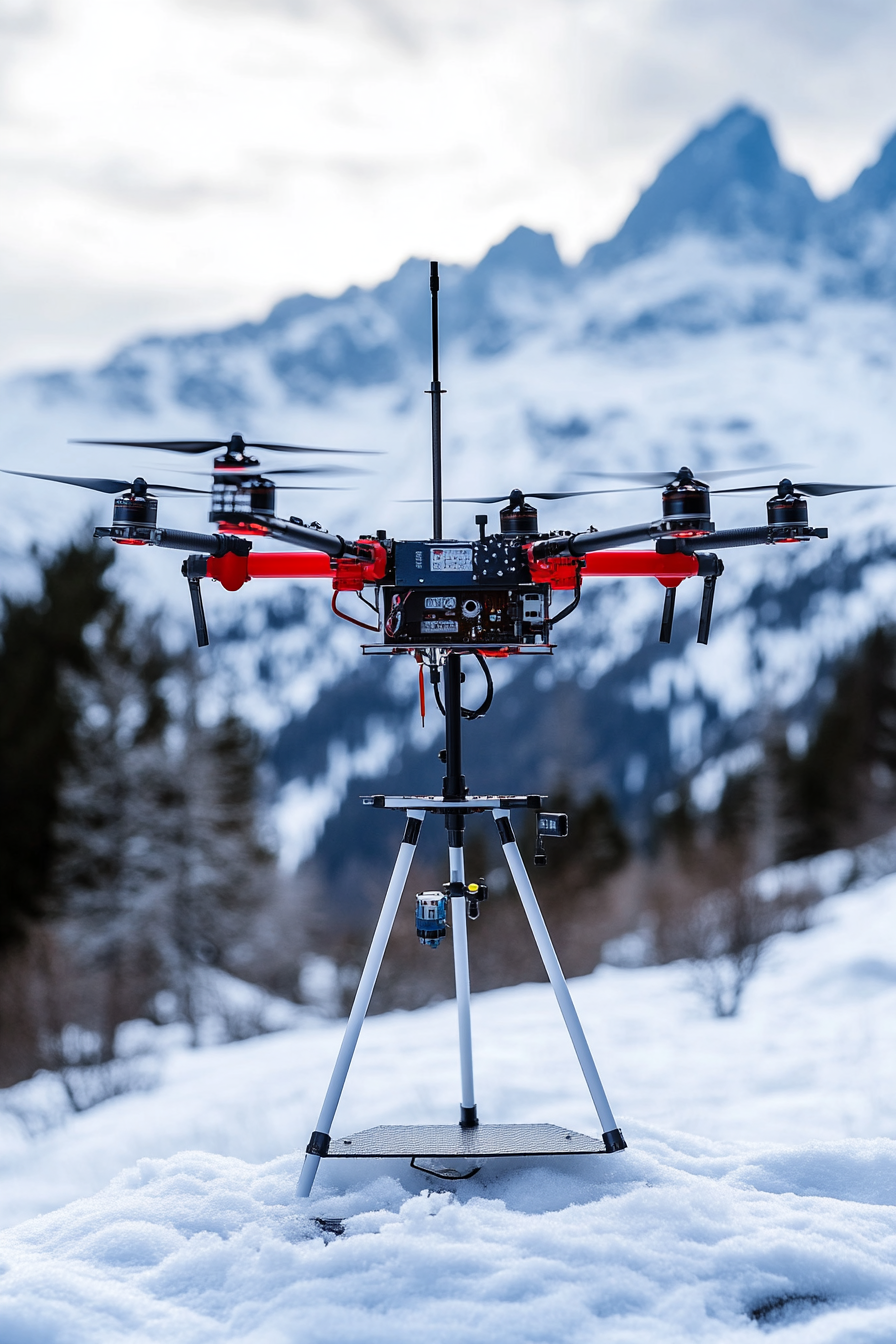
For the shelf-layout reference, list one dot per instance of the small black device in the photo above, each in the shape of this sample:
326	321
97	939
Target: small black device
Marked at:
462	617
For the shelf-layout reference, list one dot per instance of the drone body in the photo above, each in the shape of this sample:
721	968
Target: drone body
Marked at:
491	594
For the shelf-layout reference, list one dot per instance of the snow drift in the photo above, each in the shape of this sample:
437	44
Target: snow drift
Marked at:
679	1239
781	1215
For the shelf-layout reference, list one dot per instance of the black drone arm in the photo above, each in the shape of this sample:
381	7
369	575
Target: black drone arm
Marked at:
311	538
207	543
736	536
584	542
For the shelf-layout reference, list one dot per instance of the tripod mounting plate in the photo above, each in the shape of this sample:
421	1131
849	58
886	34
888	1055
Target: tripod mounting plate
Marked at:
474	802
424	1141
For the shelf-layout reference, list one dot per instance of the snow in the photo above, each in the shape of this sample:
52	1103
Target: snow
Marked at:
758	1191
678	1240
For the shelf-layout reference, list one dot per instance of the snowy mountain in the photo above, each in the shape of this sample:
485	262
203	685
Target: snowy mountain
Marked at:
734	320
757	1191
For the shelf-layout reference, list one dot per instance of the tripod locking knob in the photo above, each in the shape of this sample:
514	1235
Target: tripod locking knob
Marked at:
476	892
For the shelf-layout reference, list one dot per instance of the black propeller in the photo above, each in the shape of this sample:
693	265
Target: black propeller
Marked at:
683	476
105	486
237	471
524	494
316	471
515	496
236	444
787	487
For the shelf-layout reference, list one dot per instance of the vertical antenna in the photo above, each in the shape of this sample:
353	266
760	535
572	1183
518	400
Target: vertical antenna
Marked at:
435	391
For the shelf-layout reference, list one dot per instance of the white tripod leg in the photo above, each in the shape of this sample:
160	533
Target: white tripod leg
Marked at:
612	1135
462	988
320	1139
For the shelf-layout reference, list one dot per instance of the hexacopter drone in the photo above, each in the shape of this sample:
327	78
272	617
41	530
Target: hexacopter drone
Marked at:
440	600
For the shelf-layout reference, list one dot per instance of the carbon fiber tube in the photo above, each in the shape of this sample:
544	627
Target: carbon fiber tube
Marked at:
585	542
312	538
715	541
208	543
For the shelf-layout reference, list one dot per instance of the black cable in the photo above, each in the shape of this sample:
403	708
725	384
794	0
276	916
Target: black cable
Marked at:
567	610
374	606
489	690
434	678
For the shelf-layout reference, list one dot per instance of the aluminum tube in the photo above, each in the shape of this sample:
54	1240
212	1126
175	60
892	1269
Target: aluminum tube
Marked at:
558	983
462	980
361	1004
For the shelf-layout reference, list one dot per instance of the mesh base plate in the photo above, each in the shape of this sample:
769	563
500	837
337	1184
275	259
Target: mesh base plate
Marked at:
452	1141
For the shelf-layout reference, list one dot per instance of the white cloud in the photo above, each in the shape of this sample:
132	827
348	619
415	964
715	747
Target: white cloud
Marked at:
201	158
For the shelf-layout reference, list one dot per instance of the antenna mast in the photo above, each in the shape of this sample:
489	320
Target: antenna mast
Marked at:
435	391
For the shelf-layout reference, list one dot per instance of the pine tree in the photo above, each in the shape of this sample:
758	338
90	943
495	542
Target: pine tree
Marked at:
844	786
43	643
160	863
130	855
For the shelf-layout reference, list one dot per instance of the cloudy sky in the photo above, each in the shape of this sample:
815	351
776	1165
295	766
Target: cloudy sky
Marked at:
168	164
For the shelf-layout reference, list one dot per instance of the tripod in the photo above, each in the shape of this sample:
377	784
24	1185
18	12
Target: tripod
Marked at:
467	1139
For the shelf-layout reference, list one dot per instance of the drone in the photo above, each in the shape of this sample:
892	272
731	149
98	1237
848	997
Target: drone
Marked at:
439	599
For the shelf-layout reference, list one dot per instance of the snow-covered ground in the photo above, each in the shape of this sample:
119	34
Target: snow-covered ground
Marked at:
757	1193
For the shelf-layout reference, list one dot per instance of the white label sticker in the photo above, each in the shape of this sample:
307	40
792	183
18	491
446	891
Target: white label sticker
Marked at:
438	627
451	558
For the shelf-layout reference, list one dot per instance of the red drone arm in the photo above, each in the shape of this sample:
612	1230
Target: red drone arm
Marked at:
560	571
348	575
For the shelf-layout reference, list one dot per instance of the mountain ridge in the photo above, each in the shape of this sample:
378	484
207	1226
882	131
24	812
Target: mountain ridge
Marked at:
726	184
713	348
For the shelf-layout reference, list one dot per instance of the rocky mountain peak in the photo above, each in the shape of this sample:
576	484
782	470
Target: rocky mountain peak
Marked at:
727	181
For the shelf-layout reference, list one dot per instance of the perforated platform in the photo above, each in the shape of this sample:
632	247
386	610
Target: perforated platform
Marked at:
452	1141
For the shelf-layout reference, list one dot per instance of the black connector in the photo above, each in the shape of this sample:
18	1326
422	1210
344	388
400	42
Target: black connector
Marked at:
505	830
319	1144
613	1141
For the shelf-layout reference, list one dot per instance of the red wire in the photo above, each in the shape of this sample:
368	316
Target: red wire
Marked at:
345	616
419	657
